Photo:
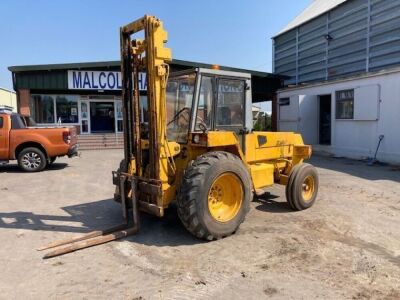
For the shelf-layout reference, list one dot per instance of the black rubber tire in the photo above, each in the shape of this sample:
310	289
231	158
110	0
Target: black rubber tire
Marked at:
295	186
192	199
32	150
292	175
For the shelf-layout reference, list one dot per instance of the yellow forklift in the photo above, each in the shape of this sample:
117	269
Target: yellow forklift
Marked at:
192	142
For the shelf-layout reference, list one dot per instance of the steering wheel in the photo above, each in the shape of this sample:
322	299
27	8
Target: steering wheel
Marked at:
202	125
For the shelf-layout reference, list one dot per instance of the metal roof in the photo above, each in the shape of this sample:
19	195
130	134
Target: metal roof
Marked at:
7	90
117	64
315	9
349	78
53	77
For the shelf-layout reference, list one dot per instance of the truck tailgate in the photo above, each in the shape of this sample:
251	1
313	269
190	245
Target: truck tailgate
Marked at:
74	135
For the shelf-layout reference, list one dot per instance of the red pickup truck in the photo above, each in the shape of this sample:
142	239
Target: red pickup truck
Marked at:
33	147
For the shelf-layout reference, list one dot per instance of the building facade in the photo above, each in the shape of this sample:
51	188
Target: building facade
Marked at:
8	98
342	62
88	95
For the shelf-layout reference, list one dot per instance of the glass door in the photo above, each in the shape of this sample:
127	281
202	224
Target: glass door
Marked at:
85	117
118	116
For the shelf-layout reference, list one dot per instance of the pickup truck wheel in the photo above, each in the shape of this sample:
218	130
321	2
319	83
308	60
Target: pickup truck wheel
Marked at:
32	160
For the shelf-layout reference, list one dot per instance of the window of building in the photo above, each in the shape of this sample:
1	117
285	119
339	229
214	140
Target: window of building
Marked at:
101	97
42	108
284	101
345	105
119	115
50	109
67	108
230	104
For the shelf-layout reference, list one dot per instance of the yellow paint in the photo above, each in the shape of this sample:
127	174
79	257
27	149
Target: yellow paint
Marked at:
308	188
224	141
262	174
157	74
225	197
132	166
172	149
277	145
277	155
268	156
221	138
267	153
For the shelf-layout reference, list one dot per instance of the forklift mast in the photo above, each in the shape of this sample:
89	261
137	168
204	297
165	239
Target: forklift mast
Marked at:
149	56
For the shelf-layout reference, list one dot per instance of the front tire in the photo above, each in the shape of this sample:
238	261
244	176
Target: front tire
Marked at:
32	160
214	196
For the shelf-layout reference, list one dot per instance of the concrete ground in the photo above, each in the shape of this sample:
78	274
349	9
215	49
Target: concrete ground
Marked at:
345	247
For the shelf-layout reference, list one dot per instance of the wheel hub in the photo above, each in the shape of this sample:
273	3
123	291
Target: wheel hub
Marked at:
225	197
31	160
216	194
308	188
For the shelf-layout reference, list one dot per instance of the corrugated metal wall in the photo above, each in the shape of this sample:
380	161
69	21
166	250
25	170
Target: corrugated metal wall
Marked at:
355	37
42	80
264	86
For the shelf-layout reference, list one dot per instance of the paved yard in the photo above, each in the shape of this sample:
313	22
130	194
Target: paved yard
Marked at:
346	246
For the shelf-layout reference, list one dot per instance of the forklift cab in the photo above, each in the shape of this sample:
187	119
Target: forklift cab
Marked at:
201	100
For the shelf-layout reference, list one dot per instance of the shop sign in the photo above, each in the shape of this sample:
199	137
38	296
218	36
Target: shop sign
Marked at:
99	80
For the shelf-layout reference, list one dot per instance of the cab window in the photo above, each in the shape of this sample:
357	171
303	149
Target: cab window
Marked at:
1	122
230	104
17	122
204	109
180	92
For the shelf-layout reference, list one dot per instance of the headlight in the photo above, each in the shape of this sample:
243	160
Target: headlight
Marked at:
196	139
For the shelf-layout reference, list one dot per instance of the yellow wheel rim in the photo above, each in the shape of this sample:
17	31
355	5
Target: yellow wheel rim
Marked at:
308	188
225	197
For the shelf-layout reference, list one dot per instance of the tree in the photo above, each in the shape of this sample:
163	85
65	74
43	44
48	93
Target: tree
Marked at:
263	122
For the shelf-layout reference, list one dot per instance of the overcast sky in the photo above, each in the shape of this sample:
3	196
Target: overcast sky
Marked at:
225	32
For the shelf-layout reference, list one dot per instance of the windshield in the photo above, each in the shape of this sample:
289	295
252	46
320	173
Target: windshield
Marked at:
180	92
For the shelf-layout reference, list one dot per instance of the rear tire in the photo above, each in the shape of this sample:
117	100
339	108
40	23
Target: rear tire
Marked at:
32	159
292	175
215	195
302	187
